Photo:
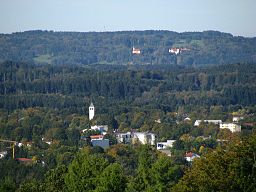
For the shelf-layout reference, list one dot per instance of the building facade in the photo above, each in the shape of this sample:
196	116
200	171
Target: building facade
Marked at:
198	122
233	127
165	145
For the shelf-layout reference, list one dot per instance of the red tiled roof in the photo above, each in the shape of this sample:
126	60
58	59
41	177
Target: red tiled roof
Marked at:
96	136
190	154
24	159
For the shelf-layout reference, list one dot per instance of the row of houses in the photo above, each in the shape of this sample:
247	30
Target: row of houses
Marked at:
233	127
126	138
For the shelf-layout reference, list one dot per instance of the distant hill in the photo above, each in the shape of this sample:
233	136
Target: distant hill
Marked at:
192	48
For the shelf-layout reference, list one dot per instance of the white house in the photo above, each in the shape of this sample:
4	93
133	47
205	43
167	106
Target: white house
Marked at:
233	127
216	122
124	137
164	145
144	138
91	111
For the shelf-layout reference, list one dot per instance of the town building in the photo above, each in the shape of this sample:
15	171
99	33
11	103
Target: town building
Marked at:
125	138
187	119
198	122
164	145
236	119
104	143
98	140
3	154
91	111
144	138
233	127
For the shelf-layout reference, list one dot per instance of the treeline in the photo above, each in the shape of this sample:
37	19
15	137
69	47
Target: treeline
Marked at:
209	47
24	85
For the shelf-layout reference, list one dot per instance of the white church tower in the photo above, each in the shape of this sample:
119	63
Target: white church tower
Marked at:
91	111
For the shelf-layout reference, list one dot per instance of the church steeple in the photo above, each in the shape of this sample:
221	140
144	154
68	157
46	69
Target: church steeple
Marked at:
91	111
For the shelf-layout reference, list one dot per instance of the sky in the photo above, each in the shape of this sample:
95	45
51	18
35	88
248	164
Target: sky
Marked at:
232	16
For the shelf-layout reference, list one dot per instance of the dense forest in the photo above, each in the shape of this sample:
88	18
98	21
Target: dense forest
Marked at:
209	47
40	100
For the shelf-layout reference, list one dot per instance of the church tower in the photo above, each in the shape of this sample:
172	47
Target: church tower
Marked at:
91	111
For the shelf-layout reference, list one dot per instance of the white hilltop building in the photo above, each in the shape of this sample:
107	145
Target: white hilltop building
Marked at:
91	111
136	51
174	50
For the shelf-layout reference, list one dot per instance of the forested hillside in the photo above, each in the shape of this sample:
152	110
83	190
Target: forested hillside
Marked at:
200	48
125	97
47	102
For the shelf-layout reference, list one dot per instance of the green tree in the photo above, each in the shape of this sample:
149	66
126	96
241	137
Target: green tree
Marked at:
112	179
54	179
84	171
31	185
7	185
164	174
224	169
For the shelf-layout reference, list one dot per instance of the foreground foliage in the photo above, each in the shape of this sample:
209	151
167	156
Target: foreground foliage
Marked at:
225	169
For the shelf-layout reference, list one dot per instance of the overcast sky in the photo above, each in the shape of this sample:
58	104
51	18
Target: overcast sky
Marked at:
232	16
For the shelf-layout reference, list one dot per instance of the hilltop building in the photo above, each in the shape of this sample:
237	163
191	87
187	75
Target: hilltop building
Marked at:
174	50
177	51
91	111
136	51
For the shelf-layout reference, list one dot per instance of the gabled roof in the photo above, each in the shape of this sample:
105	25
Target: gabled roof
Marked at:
91	105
